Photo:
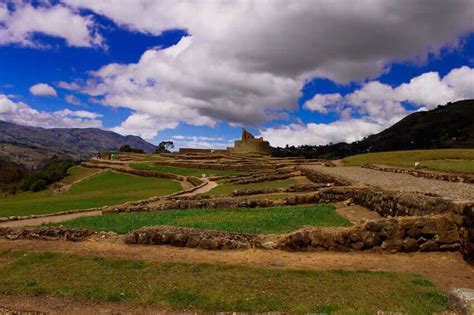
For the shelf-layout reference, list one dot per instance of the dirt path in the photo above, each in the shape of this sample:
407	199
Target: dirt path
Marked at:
51	305
204	189
50	219
400	182
446	270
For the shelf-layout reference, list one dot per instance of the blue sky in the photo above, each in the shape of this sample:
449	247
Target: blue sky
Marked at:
199	73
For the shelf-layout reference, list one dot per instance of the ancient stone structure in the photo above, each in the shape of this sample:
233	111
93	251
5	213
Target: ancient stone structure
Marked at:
250	144
247	145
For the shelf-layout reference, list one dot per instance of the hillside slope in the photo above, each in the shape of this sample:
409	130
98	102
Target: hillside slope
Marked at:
447	126
75	142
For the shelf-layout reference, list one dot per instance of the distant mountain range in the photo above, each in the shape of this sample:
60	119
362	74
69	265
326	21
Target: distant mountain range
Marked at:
21	144
447	126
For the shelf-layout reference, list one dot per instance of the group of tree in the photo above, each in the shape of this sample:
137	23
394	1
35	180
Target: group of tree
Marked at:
163	147
15	178
127	148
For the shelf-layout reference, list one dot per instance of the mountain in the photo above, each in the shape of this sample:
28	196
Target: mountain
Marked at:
74	143
447	126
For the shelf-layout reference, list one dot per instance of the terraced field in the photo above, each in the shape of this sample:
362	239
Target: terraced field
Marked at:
181	170
107	188
258	221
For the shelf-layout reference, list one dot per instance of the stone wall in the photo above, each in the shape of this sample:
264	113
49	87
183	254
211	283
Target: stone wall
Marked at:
390	203
466	233
218	166
408	234
318	177
419	173
145	173
194	238
44	233
194	151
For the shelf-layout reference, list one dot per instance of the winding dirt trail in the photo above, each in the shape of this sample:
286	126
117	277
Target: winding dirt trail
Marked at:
446	269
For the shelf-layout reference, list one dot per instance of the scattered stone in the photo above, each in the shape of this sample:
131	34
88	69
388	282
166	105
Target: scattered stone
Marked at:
461	300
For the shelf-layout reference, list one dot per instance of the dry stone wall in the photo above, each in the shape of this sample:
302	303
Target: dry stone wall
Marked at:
408	234
466	233
145	173
318	177
419	173
44	233
194	238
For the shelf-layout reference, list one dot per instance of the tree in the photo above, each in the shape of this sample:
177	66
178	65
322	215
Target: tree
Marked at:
164	147
127	148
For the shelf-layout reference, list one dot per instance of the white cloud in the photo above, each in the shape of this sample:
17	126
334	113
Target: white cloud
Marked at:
71	99
19	24
23	114
379	106
43	89
197	138
320	102
319	134
247	61
382	101
73	86
177	84
143	125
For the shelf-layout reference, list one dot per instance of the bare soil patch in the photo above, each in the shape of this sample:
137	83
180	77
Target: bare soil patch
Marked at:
446	269
50	219
356	213
36	305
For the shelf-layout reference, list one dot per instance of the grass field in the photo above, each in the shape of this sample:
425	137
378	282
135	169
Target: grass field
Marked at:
212	288
225	189
107	188
258	221
76	173
456	160
181	170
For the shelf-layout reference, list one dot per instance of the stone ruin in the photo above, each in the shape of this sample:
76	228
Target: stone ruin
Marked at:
247	145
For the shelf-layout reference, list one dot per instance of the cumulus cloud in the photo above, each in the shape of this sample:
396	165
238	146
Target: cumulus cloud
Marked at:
143	125
23	114
21	21
245	62
71	99
43	89
318	134
200	142
382	101
378	105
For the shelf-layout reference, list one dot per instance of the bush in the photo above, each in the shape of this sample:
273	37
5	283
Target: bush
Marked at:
127	148
39	185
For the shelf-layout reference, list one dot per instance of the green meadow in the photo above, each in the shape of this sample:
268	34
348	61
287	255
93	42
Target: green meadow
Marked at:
107	188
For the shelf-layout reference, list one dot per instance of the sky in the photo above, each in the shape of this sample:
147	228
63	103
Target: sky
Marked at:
196	72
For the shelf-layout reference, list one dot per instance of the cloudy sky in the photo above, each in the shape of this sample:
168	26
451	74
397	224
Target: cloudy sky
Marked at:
195	72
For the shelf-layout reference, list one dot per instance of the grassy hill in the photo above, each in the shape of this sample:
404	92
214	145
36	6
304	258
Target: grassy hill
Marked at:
447	126
107	188
454	160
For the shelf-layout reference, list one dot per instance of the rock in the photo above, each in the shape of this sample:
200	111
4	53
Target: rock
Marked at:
429	246
410	245
461	300
357	245
268	245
